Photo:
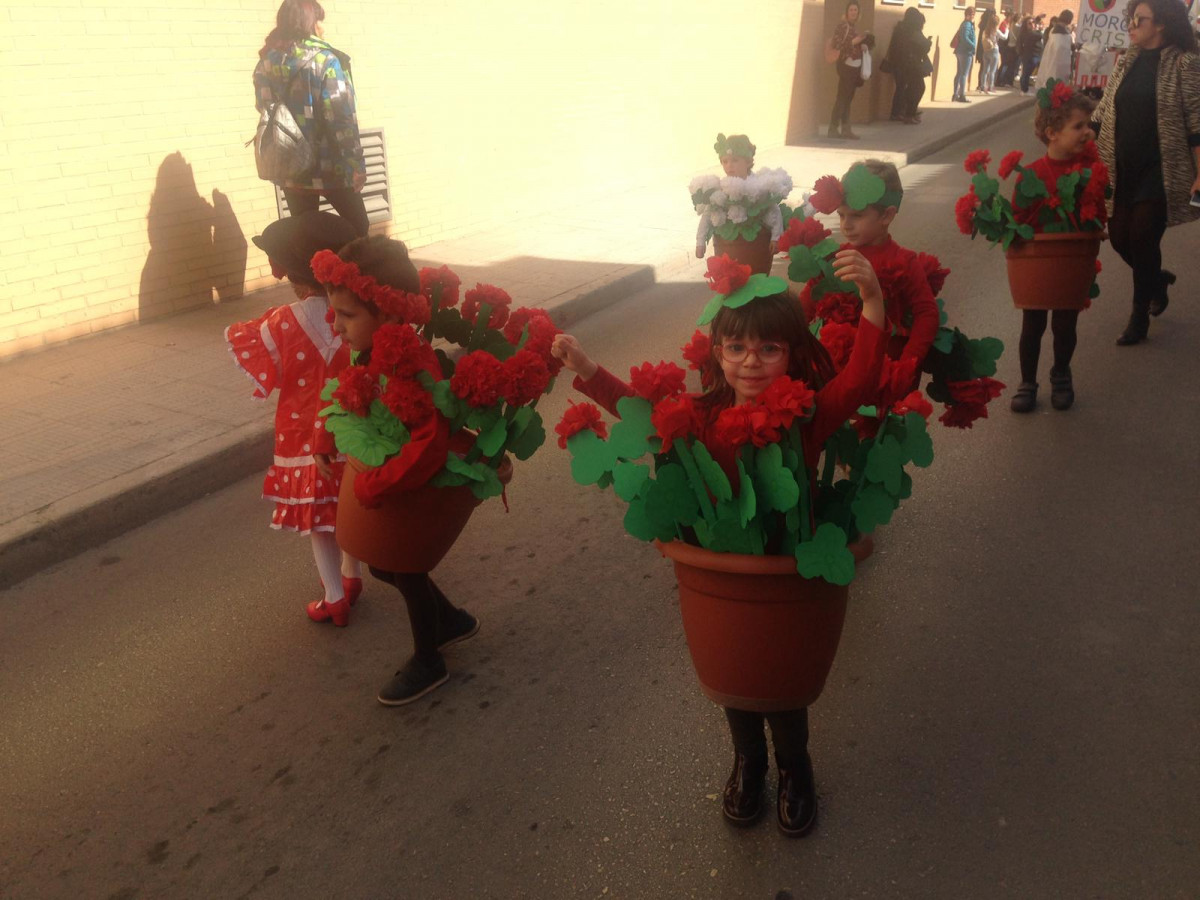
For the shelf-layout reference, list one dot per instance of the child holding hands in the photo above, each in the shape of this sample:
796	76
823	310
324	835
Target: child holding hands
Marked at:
752	345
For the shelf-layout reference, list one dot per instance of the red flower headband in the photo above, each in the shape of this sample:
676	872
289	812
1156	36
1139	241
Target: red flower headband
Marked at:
331	269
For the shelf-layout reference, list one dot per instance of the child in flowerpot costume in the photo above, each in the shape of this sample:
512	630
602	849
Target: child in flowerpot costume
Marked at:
416	422
291	349
1063	124
867	200
758	364
740	205
1051	231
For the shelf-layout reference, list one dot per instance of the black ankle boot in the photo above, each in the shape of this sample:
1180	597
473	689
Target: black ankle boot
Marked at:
1139	325
1025	398
1159	304
797	799
742	803
1062	389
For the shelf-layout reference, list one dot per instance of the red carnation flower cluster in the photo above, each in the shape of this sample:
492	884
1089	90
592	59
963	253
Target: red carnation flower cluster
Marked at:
408	401
763	421
897	379
698	351
838	339
357	388
1010	162
725	275
397	350
935	273
542	332
525	377
914	402
478	379
497	298
330	269
1061	94
806	232
580	417
840	307
654	382
964	211
977	161
675	417
970	400
827	194
443	280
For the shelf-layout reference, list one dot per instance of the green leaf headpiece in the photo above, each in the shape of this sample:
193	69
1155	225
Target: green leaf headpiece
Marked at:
735	145
758	285
864	188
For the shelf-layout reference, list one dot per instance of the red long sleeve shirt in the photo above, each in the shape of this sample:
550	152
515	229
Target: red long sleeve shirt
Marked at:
855	385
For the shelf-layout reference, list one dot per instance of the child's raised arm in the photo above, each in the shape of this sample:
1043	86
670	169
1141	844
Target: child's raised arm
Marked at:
567	348
850	265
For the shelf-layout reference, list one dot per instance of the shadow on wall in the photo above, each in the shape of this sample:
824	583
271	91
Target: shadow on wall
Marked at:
197	249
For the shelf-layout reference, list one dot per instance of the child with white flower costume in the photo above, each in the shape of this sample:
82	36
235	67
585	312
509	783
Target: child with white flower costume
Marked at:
740	205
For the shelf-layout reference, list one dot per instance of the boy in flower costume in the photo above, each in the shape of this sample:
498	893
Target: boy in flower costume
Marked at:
867	199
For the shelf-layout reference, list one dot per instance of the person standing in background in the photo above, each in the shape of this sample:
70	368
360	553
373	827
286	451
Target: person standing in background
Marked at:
964	54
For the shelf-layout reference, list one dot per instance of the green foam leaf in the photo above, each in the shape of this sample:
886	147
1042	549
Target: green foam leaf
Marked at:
714	476
629	479
885	462
775	481
591	458
863	187
872	507
631	436
826	556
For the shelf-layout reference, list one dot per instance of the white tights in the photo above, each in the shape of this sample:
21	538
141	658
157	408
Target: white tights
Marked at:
332	564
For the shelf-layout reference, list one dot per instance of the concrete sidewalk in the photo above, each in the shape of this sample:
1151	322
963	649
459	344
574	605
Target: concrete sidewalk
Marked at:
106	433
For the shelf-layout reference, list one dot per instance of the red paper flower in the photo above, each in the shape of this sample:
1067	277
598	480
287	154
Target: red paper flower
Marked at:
1010	162
494	297
330	315
725	275
838	338
698	351
964	211
977	161
896	379
963	415
827	194
357	387
408	401
444	279
656	382
914	402
518	319
732	426
1061	94
785	401
478	379
1099	268
579	417
806	232
526	377
841	307
935	274
675	417
977	390
399	350
1090	155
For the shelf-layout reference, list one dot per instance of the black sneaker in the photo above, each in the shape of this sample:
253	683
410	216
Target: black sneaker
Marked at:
460	626
1062	389
1025	398
415	680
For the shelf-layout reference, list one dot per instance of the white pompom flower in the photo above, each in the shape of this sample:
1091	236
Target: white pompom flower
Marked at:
737	214
716	217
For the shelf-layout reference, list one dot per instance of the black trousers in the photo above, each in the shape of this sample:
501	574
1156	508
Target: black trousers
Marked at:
900	95
1033	326
346	201
789	731
847	84
427	606
1136	231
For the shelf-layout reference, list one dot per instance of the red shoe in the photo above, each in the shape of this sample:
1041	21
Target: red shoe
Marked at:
338	613
351	587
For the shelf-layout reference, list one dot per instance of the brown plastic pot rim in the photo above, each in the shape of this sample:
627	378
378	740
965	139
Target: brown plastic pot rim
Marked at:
1067	236
740	563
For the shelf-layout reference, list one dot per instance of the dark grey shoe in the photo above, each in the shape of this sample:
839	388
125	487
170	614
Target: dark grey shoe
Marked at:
1137	329
413	681
1025	399
1158	305
1062	390
459	626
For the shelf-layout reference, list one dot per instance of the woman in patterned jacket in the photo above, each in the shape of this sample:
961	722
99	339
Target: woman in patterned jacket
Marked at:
1150	140
298	66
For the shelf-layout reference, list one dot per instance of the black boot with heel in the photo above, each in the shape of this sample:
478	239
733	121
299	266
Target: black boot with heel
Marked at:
742	802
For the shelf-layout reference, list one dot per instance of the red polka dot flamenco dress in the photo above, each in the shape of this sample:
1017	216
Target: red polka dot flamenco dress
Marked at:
291	349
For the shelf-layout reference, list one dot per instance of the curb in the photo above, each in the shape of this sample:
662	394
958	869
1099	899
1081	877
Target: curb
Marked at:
945	140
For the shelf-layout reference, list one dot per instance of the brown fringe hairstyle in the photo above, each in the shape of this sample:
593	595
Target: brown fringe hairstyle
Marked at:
1058	117
295	20
779	317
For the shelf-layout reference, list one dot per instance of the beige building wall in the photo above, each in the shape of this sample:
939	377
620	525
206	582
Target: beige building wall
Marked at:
128	193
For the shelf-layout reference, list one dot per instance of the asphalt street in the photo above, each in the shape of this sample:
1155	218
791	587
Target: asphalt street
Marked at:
1014	711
